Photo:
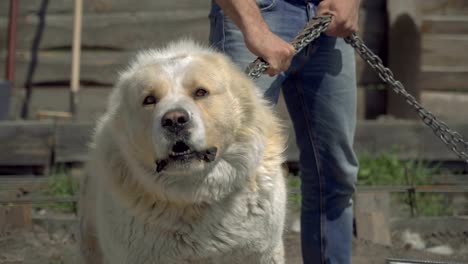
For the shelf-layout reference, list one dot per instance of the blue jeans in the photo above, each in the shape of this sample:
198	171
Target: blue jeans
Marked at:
320	92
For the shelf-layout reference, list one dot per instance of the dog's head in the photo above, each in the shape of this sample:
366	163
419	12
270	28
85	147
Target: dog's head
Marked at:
184	110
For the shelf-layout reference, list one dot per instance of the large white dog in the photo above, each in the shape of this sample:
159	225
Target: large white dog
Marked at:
185	166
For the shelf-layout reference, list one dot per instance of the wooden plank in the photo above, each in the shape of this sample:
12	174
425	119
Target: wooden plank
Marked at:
445	50
444	78
23	183
373	30
450	179
92	101
454	189
404	24
98	66
412	139
39	200
106	6
25	143
449	106
72	141
444	7
372	217
409	140
15	217
114	30
438	24
54	66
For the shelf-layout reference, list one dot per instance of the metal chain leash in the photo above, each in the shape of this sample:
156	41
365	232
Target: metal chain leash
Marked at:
451	138
312	31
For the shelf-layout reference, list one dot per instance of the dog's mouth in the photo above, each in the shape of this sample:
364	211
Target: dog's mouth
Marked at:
181	152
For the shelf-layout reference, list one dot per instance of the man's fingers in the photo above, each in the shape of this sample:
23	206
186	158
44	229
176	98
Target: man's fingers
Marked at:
344	17
271	72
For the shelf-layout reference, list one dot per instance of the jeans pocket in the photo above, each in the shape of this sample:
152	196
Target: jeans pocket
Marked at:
266	5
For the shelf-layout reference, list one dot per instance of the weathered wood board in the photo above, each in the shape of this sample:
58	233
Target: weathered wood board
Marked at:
54	66
72	141
106	6
372	212
119	31
15	217
444	78
445	50
452	106
443	24
408	140
92	101
444	7
26	143
31	143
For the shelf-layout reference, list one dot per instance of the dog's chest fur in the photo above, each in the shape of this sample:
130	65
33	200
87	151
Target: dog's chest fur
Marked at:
228	232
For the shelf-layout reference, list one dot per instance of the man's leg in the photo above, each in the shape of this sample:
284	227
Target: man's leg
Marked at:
321	99
326	213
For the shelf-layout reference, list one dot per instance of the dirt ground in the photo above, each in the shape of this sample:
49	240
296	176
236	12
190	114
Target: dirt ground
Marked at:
54	241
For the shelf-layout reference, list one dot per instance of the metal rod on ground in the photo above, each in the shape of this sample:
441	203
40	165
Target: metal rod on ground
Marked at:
11	54
75	74
412	261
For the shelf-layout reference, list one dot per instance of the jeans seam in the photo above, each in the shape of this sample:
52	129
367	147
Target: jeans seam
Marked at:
223	31
312	140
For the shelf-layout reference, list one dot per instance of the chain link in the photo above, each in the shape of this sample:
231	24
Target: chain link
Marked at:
451	138
312	31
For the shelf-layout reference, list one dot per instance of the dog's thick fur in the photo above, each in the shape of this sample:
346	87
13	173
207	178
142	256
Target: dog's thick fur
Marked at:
228	210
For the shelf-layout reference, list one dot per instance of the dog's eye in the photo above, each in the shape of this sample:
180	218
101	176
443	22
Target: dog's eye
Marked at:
149	100
200	92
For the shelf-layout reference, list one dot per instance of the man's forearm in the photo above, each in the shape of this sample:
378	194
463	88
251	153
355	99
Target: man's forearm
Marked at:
248	18
246	15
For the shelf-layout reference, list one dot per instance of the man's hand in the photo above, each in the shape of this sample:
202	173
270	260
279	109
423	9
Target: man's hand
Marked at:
274	50
345	19
257	36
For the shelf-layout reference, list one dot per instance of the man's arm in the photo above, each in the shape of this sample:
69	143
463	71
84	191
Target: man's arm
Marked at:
345	16
258	37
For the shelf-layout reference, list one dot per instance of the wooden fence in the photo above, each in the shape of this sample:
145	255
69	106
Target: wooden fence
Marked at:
39	143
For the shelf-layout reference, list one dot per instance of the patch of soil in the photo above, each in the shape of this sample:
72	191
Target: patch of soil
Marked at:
53	241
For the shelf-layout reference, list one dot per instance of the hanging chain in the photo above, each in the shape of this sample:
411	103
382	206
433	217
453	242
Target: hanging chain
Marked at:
319	24
451	138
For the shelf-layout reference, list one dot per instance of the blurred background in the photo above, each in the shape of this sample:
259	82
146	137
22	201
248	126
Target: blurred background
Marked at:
410	184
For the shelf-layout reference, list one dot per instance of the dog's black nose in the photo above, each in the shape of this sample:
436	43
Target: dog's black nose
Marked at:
175	120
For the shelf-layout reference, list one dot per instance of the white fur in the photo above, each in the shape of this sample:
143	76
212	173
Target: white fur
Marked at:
231	210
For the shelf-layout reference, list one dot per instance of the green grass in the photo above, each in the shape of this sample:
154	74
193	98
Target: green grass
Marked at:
386	169
294	186
62	184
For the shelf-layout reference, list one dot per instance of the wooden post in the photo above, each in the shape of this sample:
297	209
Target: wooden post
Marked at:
373	30
75	77
372	215
11	54
404	54
15	217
